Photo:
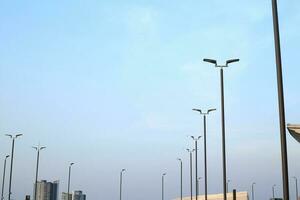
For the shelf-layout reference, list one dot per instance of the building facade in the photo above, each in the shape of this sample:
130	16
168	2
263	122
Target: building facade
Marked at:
76	195
46	190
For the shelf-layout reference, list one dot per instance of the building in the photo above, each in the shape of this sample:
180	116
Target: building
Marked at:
239	196
76	195
46	190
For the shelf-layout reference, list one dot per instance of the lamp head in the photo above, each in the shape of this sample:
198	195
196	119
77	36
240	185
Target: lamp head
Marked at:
210	61
232	61
18	135
198	110
211	110
7	156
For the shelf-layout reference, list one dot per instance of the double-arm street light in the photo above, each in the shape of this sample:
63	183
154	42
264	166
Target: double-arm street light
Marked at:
195	138
284	158
12	137
3	177
180	160
252	189
205	151
273	190
191	170
296	186
69	179
222	116
38	149
121	182
163	186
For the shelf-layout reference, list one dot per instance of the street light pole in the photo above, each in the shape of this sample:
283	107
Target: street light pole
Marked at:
191	170
196	163
163	186
69	180
296	185
284	158
198	180
205	151
273	191
13	137
180	160
228	181
38	149
252	188
3	177
121	182
222	117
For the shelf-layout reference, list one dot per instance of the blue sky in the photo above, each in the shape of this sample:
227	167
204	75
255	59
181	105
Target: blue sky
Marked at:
111	84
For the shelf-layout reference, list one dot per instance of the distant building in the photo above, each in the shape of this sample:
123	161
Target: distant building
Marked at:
64	196
76	195
239	196
46	190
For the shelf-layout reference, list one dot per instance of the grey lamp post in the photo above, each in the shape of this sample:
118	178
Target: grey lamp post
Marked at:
205	151
13	137
252	189
222	117
121	182
163	186
180	160
3	177
273	191
296	185
284	158
69	179
38	149
191	170
196	163
199	178
227	187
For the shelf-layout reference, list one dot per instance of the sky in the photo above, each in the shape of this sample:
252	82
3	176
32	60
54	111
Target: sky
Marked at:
112	84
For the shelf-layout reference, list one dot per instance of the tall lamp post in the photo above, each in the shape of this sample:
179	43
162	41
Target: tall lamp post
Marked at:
12	137
273	190
199	178
121	182
38	149
284	158
3	177
205	151
69	179
196	163
296	185
191	170
180	160
227	187
252	189
163	186
222	117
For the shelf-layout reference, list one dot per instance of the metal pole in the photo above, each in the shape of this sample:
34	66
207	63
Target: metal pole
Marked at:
252	188
296	185
36	173
181	195
196	167
273	191
121	185
3	178
234	194
191	172
11	167
227	185
162	187
205	158
223	135
69	180
284	158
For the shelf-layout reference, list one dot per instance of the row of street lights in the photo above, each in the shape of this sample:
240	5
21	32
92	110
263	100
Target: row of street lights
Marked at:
38	149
